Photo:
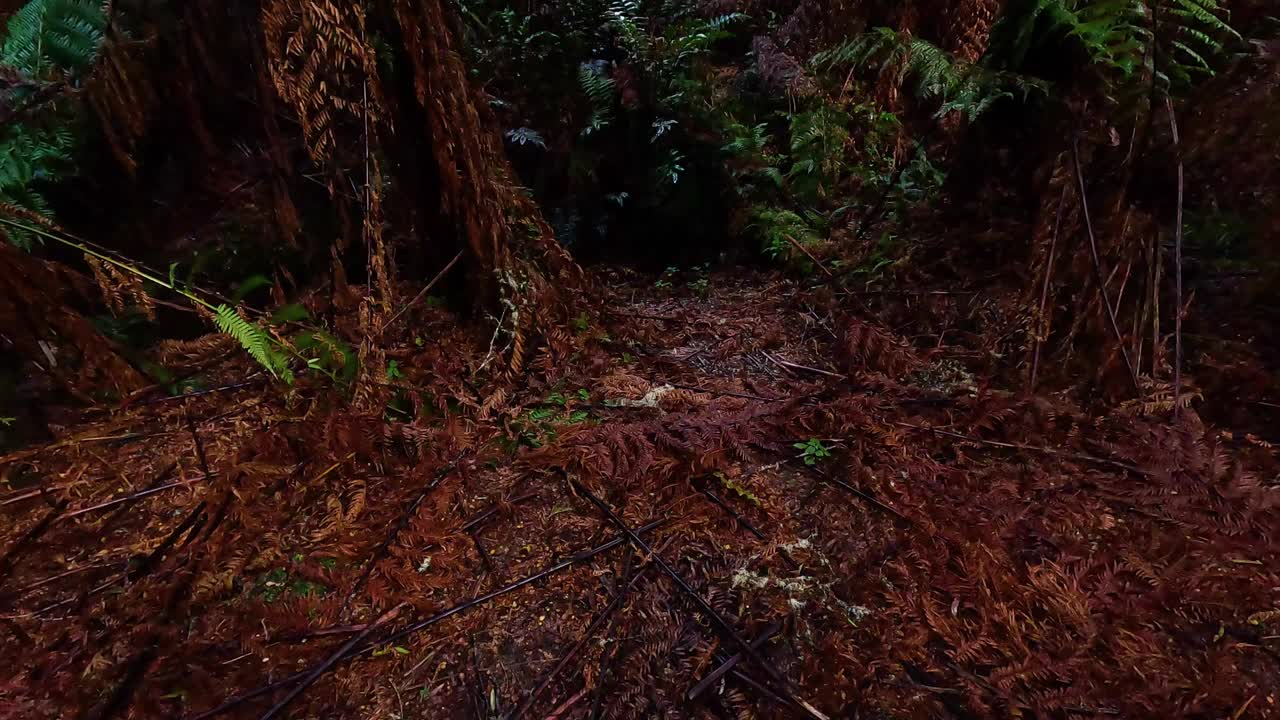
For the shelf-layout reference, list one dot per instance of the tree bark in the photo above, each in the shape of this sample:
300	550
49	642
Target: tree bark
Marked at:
515	269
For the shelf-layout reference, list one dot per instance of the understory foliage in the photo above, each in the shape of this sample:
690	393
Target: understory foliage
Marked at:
48	44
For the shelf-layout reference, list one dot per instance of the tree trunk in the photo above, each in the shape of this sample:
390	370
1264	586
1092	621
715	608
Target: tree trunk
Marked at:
514	266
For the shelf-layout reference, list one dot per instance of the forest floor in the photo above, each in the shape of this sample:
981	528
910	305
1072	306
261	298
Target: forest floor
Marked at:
894	536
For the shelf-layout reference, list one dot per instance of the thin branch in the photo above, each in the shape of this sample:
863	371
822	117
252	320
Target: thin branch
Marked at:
808	254
1031	448
399	525
133	496
1042	332
868	497
1097	264
314	674
1177	254
420	625
730	664
797	366
423	292
253	380
718	621
587	636
742	522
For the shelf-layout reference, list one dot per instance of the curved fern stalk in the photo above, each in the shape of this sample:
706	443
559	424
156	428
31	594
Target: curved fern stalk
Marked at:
272	354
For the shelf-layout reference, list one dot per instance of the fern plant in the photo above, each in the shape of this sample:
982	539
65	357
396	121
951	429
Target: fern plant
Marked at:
45	41
54	39
968	88
780	230
254	340
818	142
1173	41
599	91
753	167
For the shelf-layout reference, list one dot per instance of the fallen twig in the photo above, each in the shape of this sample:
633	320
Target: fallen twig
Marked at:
1043	323
742	522
314	674
54	578
399	525
809	255
566	705
423	292
10	557
1032	448
253	380
716	619
134	496
729	664
555	568
798	366
590	632
478	520
872	499
1097	265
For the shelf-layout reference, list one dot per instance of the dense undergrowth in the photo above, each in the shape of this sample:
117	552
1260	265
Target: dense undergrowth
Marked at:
929	341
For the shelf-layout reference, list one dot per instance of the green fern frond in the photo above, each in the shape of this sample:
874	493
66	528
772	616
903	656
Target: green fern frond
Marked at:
1118	38
260	346
724	21
50	37
1207	13
30	155
971	89
44	40
599	91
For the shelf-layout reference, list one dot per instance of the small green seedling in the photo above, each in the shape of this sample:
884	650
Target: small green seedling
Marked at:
812	451
393	370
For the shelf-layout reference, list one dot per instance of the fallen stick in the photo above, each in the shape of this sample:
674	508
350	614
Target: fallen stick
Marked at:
729	664
716	619
399	525
572	560
587	636
808	254
1097	266
1032	448
797	366
134	496
742	522
564	707
253	380
53	578
423	292
314	674
10	557
865	496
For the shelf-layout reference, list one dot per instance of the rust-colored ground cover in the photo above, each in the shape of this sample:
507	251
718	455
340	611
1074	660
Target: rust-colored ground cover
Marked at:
906	539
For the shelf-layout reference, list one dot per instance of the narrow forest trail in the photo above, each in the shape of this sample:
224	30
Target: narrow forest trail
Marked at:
902	540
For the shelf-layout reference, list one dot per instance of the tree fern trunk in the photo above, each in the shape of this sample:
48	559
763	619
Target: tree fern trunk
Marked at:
969	27
515	269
